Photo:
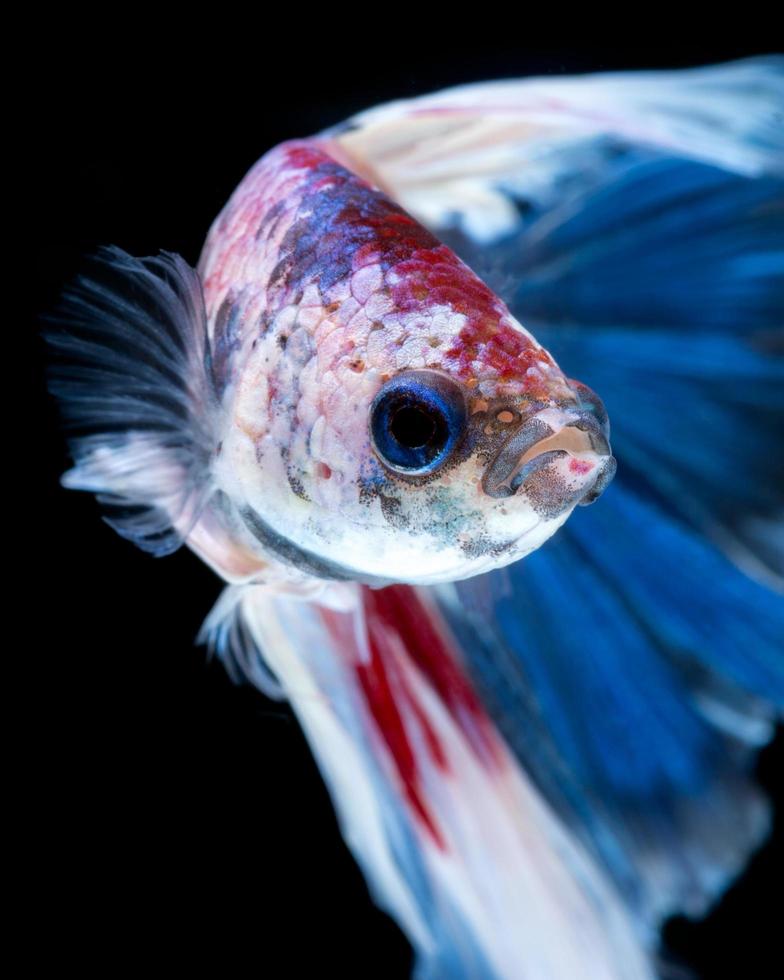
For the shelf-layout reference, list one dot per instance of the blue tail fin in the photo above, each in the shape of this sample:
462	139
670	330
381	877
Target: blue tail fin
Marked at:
637	661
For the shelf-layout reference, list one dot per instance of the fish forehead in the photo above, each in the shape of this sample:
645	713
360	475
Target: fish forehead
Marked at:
309	252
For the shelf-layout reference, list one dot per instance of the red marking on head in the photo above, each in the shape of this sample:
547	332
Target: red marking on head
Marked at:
327	222
303	155
580	465
489	339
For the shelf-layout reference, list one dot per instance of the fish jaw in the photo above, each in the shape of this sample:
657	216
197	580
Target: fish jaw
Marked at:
319	291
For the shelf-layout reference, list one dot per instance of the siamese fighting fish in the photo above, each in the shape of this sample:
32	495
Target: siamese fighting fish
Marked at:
359	408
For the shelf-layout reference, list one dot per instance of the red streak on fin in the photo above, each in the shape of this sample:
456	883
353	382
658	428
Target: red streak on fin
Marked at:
404	633
381	682
400	609
383	687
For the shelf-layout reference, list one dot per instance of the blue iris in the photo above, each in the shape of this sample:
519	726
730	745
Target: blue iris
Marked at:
416	420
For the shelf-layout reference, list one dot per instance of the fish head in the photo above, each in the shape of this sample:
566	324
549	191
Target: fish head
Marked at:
477	447
403	425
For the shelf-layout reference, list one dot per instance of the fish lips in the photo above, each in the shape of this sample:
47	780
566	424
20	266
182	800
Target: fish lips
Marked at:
525	462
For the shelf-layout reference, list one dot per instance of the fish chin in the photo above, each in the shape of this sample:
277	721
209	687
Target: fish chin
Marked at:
427	562
463	567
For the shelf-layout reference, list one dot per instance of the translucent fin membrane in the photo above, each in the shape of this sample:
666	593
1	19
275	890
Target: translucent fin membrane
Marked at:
453	837
131	374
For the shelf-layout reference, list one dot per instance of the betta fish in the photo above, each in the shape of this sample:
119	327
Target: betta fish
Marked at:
359	410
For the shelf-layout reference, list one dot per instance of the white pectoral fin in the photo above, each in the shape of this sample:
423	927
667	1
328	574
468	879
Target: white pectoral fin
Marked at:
467	156
454	839
131	373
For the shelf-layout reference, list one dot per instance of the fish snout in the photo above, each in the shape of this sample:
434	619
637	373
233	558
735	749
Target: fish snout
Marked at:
557	458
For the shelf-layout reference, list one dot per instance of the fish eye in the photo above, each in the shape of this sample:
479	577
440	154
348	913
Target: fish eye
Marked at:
416	420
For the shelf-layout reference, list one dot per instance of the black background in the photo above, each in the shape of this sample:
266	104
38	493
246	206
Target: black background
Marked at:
177	820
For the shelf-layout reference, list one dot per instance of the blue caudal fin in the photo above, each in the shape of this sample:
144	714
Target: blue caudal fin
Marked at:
634	669
659	241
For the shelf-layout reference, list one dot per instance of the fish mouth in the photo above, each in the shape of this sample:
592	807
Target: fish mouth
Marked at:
559	458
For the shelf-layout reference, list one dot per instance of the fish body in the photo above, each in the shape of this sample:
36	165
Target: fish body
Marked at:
356	432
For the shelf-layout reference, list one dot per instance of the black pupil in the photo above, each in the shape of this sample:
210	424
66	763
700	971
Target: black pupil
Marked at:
413	426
